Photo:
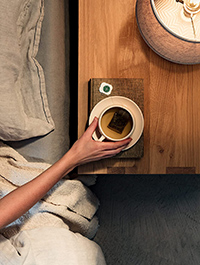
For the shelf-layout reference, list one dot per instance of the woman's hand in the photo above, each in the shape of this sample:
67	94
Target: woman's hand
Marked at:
87	150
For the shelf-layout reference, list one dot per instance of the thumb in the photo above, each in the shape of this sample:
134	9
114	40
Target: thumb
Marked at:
92	127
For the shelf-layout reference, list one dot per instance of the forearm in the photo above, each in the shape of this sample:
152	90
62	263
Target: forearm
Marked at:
83	151
16	203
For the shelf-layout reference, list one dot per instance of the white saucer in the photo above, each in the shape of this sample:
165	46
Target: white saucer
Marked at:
126	102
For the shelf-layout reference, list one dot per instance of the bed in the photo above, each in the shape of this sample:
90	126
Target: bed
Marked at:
51	51
38	101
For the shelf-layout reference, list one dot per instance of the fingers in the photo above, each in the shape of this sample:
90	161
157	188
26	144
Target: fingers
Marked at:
116	145
113	151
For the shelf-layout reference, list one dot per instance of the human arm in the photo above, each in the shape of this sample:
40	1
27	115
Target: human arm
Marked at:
84	150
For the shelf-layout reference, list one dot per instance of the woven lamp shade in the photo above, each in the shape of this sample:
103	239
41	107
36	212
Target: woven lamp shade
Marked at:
163	42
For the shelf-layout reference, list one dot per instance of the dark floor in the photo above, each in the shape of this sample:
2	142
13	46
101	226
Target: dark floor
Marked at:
149	219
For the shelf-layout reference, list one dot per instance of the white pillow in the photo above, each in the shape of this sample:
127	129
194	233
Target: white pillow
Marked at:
24	110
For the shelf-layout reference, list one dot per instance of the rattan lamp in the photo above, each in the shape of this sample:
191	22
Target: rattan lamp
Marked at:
171	28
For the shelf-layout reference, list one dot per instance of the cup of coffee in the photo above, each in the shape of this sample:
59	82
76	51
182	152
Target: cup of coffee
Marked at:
116	123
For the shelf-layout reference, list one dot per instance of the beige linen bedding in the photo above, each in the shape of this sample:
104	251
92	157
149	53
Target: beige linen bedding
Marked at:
57	230
34	120
69	204
50	246
54	57
24	110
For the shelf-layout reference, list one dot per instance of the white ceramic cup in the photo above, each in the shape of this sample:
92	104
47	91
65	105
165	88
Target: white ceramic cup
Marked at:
104	135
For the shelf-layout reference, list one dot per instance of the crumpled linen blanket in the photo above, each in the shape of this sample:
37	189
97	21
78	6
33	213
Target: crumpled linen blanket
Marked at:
69	204
51	246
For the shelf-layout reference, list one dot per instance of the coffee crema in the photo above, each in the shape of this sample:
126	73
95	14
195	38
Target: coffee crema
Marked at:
116	133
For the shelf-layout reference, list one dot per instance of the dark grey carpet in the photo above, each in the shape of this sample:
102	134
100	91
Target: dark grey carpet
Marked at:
149	219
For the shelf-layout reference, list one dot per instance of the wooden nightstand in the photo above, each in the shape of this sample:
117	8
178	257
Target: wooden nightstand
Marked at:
110	46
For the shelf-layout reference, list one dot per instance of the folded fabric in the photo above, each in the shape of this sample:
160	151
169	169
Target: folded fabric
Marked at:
69	203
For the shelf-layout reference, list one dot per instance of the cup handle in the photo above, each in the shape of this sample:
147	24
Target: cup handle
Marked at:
101	138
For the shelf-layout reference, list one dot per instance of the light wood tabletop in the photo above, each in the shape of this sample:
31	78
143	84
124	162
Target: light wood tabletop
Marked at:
110	46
